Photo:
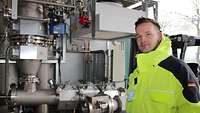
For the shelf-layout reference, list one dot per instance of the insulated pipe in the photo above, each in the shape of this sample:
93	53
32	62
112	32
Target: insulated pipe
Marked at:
20	97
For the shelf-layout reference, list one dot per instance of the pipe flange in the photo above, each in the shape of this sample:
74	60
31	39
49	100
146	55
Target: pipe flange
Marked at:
32	79
43	41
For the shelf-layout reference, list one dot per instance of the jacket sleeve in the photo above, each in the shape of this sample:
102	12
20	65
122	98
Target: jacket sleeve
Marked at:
189	96
185	106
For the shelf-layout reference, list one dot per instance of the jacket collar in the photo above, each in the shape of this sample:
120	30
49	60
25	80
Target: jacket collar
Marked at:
156	56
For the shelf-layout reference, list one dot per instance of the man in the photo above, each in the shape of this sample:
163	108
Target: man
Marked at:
160	83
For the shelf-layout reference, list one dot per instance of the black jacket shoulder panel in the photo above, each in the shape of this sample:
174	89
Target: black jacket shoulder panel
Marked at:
185	76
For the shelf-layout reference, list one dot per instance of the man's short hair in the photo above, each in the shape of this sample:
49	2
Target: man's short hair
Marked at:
145	20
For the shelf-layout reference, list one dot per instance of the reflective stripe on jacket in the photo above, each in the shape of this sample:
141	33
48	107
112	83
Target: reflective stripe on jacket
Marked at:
162	83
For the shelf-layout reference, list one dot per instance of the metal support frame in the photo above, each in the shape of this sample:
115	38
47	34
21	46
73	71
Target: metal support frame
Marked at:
183	41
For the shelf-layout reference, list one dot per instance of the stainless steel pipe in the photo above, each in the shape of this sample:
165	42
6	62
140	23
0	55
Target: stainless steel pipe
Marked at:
21	97
4	97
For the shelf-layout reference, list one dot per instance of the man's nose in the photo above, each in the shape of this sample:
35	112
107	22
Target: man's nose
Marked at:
143	39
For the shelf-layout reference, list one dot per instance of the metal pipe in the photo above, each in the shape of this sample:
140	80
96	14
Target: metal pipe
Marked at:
155	10
32	18
145	7
49	3
27	9
20	97
45	74
7	68
43	108
109	62
4	97
110	65
106	65
93	14
115	105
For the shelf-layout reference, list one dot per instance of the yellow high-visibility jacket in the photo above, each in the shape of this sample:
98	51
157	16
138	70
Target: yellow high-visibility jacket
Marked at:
162	83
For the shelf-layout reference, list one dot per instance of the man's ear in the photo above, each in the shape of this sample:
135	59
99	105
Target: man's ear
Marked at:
161	35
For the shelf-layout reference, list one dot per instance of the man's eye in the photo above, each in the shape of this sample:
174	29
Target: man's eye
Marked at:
148	35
